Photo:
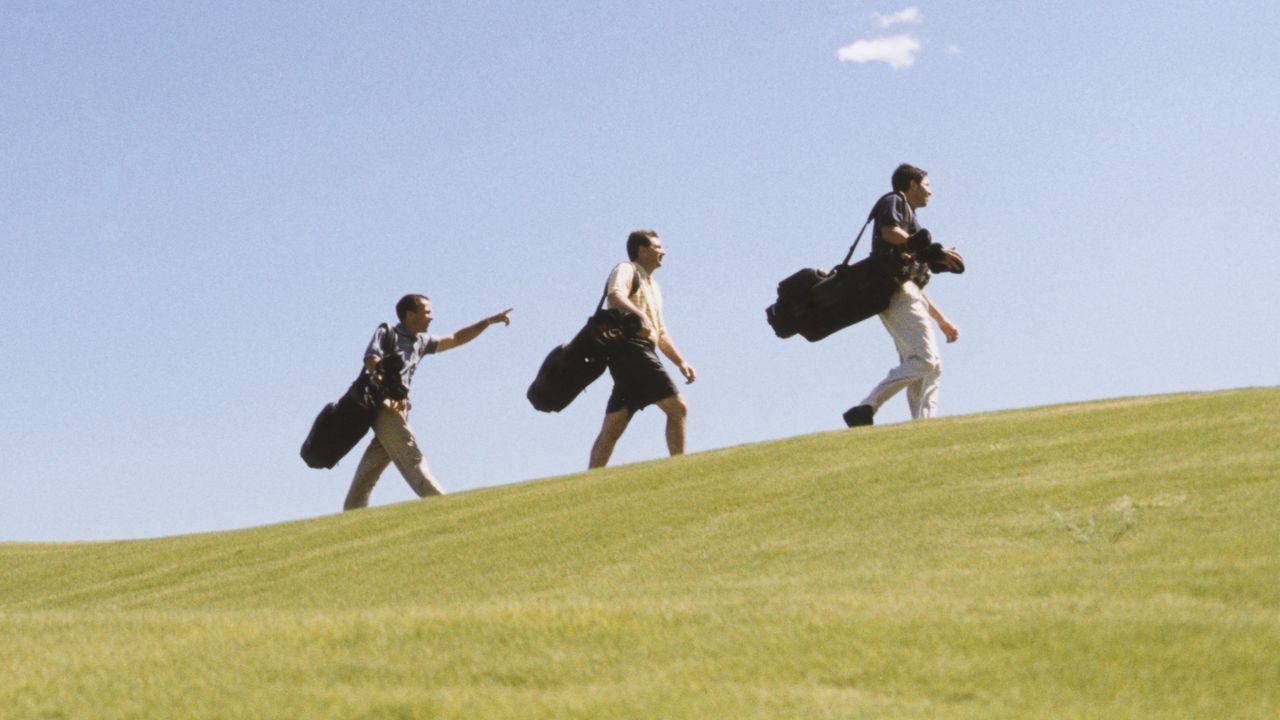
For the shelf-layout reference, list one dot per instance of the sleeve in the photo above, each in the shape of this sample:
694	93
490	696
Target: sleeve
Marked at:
896	213
620	279
375	345
660	321
433	343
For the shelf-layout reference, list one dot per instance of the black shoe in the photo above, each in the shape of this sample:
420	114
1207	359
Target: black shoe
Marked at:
859	415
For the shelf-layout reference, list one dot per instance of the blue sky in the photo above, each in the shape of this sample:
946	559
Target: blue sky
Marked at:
206	208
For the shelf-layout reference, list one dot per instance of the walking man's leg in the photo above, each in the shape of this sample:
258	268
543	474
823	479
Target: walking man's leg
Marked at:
614	424
677	411
907	320
372	463
921	347
391	428
393	441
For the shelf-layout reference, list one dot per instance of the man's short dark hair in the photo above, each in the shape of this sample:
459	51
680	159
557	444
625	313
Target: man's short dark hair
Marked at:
408	304
638	239
903	176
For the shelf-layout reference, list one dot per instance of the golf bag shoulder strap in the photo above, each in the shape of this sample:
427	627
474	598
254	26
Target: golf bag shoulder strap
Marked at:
377	380
390	338
849	256
635	285
870	216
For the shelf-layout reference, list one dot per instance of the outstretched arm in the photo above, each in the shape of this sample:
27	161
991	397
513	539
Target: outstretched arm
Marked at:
472	331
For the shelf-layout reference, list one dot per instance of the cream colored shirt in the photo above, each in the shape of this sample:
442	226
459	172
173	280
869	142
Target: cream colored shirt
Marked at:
648	296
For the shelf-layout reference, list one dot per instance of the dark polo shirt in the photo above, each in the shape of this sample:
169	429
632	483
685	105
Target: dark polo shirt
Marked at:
892	210
410	349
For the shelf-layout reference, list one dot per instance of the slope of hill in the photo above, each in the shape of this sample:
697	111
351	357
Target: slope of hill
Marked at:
1114	559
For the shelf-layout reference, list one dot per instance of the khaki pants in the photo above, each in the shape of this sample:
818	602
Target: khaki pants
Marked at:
920	367
392	442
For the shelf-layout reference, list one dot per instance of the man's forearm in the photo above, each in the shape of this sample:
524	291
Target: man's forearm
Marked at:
471	332
933	309
618	301
668	348
895	235
944	324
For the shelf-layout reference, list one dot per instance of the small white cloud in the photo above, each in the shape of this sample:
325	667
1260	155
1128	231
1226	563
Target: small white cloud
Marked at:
954	50
899	51
911	15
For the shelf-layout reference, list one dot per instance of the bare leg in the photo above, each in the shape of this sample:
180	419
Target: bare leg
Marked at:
676	411
614	424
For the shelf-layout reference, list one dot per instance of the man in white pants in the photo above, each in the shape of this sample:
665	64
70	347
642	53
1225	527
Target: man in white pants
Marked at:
900	248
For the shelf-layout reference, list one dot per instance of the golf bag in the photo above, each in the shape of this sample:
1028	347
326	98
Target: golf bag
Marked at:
816	303
568	369
341	424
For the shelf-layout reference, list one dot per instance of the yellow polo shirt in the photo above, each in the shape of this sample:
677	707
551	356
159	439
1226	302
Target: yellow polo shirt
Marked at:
648	296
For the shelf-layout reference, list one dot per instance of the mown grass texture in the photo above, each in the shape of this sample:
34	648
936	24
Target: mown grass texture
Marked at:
1115	559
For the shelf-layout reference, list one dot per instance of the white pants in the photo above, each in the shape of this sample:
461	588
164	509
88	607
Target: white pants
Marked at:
920	366
393	441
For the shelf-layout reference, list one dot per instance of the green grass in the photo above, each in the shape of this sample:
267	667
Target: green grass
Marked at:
1117	559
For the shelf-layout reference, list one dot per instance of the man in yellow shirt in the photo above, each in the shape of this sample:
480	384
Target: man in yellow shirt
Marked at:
639	380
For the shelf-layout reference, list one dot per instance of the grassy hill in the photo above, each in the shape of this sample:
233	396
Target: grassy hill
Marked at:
1117	559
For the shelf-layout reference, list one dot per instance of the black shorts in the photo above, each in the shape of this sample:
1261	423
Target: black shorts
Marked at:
639	380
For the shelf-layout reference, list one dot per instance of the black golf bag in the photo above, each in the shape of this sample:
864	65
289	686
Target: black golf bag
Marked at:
341	424
816	303
568	369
